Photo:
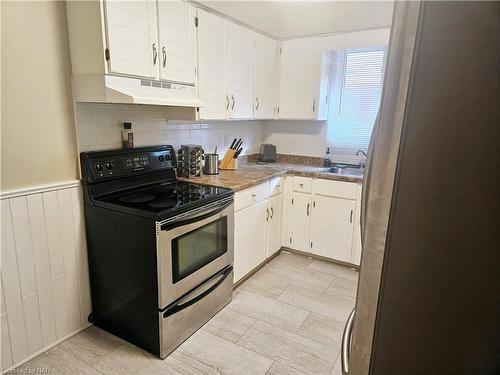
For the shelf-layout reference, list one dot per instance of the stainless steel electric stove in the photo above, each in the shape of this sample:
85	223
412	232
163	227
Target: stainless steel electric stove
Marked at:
160	250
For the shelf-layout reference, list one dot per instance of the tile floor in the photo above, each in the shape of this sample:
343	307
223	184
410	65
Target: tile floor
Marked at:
287	319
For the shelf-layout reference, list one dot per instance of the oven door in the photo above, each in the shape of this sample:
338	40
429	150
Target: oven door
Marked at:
192	247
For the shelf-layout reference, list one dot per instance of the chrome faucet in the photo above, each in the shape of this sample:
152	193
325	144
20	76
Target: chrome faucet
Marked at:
362	163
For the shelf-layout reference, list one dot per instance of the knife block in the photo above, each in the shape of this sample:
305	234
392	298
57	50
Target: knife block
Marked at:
228	162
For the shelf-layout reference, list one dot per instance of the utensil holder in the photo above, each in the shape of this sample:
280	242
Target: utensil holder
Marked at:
228	162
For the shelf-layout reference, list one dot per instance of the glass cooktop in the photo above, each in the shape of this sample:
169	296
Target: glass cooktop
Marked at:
169	196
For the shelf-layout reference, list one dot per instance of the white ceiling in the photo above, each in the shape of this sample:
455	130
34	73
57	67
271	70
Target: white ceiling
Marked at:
288	19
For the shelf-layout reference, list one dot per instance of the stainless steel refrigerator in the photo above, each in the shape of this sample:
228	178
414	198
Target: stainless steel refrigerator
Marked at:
428	292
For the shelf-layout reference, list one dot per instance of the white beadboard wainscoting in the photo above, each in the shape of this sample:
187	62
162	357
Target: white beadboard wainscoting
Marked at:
99	128
45	292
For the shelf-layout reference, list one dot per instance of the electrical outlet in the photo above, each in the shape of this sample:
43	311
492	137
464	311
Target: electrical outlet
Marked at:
226	140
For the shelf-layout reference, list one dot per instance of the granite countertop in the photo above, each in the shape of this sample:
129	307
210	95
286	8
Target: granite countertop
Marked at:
250	174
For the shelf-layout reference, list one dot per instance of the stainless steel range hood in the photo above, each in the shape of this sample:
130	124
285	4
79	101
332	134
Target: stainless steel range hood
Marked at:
105	88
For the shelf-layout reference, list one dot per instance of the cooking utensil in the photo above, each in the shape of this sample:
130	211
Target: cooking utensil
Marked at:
235	156
238	144
232	147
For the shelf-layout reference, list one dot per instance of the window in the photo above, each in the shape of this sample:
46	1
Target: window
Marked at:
356	91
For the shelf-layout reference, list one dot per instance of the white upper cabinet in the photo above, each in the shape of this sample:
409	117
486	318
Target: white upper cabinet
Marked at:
240	73
225	68
212	66
152	39
264	76
177	41
131	37
304	79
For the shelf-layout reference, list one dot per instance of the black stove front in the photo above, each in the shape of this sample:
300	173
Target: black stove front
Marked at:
142	182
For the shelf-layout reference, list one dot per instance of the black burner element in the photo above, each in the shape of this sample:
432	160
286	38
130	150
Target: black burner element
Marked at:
137	198
163	203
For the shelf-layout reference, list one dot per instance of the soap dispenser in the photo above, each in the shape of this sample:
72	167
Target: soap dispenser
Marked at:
327	161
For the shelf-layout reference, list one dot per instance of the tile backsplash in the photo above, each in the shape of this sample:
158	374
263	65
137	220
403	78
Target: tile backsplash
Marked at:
100	125
297	137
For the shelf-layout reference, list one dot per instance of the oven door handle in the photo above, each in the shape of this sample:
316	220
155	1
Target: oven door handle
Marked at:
198	294
195	216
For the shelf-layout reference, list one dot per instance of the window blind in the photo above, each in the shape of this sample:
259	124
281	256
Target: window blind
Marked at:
355	100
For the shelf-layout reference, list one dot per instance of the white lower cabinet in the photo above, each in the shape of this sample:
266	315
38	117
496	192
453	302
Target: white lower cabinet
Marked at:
323	218
300	221
332	227
249	243
274	225
257	226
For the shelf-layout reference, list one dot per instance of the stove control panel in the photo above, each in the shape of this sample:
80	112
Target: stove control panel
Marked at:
122	163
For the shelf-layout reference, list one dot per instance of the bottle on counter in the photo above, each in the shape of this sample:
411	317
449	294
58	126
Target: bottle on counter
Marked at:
127	135
327	161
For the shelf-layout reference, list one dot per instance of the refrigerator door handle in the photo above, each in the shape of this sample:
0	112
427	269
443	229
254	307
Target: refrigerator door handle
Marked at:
345	351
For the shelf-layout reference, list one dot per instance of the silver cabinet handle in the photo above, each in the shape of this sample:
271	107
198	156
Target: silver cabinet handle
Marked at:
232	98
164	52
267	216
345	350
227	102
350	218
308	209
155	54
257	104
272	212
314	105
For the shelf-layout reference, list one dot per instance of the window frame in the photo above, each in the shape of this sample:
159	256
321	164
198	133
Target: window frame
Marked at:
337	90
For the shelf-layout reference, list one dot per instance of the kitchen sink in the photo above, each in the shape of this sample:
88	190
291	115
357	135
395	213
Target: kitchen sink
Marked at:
352	171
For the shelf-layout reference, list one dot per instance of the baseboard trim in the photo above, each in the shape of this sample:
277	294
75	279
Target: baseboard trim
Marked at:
7	194
47	348
319	257
256	269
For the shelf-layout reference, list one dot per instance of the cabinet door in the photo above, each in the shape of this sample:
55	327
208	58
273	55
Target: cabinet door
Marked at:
249	239
212	66
264	73
176	35
332	227
274	225
240	83
356	240
300	78
300	221
131	37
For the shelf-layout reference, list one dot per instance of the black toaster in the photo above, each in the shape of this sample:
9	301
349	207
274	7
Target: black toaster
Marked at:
267	153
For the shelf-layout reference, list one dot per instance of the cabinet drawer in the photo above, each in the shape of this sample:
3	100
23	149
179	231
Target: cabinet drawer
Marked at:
276	185
247	197
302	184
339	189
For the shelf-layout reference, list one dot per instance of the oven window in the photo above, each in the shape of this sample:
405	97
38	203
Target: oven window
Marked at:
195	249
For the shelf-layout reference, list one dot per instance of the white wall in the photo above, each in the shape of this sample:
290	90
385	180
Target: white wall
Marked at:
307	138
100	125
38	131
45	293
